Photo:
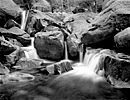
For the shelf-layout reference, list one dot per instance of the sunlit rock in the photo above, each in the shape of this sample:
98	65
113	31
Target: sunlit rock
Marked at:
109	22
122	41
60	67
50	45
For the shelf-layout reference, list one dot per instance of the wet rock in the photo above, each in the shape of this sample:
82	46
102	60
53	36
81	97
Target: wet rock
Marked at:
122	41
18	34
118	67
60	67
50	45
109	22
11	23
73	47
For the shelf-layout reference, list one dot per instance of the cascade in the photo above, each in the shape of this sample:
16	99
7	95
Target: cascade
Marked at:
66	51
92	60
30	51
24	19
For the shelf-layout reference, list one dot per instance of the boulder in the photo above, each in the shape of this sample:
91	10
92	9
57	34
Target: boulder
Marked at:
109	22
10	8
122	41
40	21
60	67
50	45
18	34
117	68
73	47
6	47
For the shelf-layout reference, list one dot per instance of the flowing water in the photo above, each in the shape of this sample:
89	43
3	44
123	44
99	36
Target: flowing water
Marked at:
66	51
24	19
30	51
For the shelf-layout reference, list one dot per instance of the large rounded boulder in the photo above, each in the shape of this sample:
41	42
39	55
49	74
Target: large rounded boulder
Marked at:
50	45
114	18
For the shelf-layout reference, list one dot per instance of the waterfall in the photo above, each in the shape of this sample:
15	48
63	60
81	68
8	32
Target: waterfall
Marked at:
30	51
66	51
93	61
24	19
81	53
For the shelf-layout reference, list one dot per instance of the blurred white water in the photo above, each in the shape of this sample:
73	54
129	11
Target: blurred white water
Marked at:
66	51
94	59
24	18
23	15
81	53
30	51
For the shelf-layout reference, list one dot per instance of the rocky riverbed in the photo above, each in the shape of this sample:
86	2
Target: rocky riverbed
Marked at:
42	45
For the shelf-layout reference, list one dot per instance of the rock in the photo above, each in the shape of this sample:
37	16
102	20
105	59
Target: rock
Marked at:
38	21
14	57
6	47
122	41
60	67
11	23
109	22
18	77
73	47
18	34
78	10
14	42
3	70
10	8
78	23
118	67
50	45
41	5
